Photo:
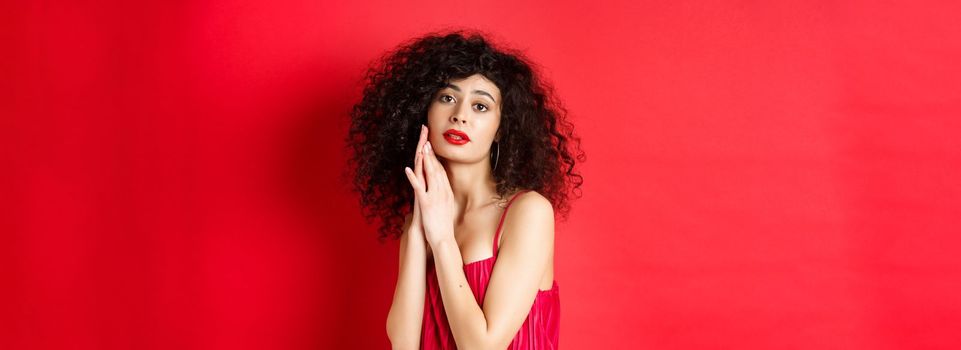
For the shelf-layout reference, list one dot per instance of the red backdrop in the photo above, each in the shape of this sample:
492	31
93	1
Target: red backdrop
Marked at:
760	175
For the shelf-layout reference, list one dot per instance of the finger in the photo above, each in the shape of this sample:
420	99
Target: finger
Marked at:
437	174
421	138
420	144
414	182
429	166
410	177
419	155
416	208
440	173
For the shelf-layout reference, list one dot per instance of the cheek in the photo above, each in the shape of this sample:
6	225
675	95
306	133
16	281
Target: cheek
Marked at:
434	132
436	119
434	113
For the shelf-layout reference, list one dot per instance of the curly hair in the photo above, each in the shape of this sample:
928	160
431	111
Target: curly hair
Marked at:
538	144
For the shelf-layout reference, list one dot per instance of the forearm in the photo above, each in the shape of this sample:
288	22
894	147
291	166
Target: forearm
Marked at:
466	318
405	318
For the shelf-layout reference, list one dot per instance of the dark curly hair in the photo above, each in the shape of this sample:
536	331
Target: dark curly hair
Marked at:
538	144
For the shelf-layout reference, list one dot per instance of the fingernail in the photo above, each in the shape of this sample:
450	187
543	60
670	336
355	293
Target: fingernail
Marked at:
428	146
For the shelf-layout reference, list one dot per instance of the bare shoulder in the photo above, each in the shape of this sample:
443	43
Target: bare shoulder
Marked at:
527	240
531	213
532	203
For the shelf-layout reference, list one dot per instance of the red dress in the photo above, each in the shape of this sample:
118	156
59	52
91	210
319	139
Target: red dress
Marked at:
539	331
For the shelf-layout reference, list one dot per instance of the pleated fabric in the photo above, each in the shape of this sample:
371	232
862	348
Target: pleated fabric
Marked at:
540	330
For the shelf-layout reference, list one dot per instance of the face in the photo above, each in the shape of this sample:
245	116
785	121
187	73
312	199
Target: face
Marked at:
472	106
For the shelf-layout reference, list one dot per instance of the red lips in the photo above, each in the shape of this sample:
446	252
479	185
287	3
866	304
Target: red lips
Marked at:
449	135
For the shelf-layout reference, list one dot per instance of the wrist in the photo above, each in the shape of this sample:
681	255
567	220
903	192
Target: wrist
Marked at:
412	236
438	236
438	246
415	244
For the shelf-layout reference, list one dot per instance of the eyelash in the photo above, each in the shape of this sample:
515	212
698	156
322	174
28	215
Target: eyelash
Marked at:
485	106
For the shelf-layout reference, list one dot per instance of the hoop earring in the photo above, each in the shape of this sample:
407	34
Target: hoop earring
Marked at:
498	154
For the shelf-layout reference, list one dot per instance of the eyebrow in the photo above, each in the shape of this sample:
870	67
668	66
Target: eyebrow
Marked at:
482	92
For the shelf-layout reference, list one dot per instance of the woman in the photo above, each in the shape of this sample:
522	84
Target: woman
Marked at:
485	135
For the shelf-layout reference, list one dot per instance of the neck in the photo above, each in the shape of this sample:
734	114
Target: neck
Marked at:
472	184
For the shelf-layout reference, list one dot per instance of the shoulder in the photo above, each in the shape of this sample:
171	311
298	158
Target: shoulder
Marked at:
532	203
529	227
531	211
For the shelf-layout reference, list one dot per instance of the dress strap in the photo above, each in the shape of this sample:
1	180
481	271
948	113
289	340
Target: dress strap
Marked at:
497	233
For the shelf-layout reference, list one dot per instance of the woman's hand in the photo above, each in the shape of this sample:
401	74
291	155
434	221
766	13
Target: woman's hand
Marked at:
416	229
433	194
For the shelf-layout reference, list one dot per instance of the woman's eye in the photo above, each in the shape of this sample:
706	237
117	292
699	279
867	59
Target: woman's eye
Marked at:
483	106
442	98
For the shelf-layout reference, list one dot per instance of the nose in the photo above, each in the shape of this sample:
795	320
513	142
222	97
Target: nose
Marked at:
460	117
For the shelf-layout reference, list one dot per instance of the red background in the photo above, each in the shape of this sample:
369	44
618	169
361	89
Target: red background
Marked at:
760	175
